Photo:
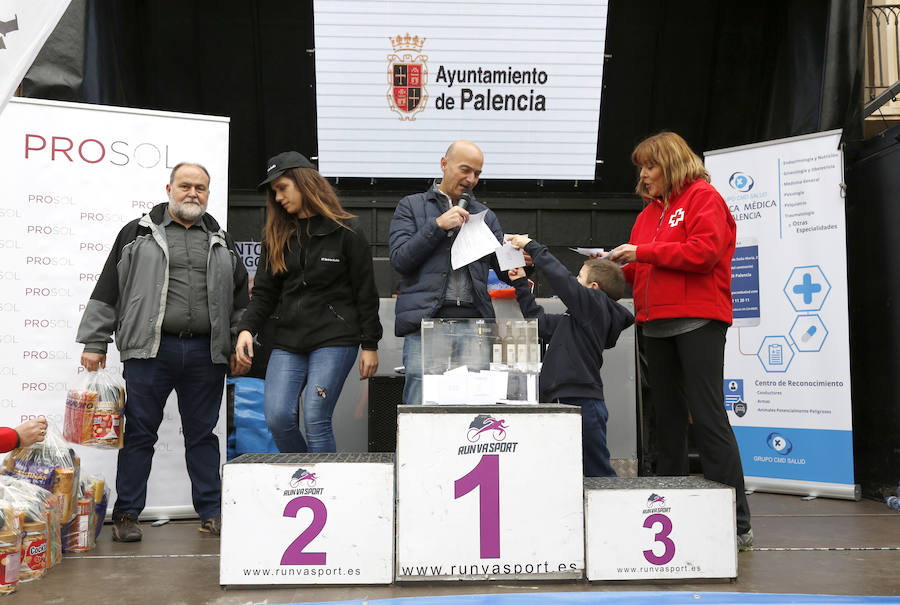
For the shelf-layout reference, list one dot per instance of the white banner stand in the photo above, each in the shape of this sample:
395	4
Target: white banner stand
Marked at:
308	519
652	528
77	174
787	357
489	493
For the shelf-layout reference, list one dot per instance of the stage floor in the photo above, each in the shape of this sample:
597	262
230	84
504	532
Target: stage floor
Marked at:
821	546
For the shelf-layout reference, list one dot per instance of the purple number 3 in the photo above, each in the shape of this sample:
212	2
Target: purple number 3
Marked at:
662	536
294	554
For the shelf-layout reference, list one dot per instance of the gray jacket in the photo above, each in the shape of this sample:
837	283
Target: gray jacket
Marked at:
130	296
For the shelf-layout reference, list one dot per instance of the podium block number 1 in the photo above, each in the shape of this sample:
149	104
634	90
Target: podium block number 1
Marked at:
485	476
293	554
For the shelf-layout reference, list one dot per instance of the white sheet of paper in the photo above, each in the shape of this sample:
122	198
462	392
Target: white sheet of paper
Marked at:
589	251
459	372
510	258
486	387
474	240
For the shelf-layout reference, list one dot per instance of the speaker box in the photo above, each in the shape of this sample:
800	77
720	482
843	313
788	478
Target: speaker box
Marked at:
385	394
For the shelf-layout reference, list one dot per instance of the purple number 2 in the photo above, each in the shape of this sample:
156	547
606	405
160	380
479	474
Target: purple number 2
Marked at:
662	536
293	554
485	475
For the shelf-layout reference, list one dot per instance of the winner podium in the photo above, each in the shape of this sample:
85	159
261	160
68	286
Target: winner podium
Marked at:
484	491
489	493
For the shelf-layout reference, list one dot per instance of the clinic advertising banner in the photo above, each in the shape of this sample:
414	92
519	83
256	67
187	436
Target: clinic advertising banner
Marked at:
24	27
75	175
787	362
396	82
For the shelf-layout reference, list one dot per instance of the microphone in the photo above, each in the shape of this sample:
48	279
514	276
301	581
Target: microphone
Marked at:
464	198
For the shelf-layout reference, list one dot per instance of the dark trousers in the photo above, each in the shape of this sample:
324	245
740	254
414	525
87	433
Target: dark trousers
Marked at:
685	373
185	366
595	454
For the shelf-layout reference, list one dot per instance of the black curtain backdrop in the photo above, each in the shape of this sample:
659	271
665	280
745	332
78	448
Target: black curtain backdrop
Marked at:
873	283
720	73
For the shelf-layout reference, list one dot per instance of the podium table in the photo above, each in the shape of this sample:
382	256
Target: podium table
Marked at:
489	493
308	519
659	528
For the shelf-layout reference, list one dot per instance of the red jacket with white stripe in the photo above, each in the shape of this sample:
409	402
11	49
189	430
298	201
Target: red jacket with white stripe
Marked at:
684	252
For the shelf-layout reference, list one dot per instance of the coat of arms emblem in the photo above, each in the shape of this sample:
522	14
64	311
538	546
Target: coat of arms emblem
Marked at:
407	76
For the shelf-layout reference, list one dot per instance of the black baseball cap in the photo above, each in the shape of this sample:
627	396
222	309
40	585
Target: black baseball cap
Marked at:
279	164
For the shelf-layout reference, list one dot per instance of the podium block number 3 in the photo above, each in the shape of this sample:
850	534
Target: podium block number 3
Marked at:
663	537
486	476
294	554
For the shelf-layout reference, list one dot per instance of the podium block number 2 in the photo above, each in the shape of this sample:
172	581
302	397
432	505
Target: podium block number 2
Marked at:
294	554
486	476
662	536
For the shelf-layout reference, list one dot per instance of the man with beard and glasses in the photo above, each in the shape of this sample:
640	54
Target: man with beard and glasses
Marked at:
172	291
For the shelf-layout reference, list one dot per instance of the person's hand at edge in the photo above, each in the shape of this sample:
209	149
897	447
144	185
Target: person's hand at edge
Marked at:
32	431
93	361
519	241
626	253
368	364
243	351
517	273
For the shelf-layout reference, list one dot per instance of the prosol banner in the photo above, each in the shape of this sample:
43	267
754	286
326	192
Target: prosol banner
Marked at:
787	363
75	174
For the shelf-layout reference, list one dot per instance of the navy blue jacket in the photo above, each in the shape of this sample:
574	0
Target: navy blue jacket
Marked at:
592	322
420	253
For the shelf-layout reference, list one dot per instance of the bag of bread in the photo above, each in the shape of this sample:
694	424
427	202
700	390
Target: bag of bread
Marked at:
80	534
50	464
94	487
33	505
10	548
95	410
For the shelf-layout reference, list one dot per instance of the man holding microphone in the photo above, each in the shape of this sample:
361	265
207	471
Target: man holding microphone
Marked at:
421	234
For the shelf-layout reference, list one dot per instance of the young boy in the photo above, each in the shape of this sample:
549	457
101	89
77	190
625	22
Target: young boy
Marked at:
592	322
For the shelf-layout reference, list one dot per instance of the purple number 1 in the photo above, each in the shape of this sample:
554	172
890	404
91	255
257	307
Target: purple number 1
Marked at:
485	475
293	554
662	536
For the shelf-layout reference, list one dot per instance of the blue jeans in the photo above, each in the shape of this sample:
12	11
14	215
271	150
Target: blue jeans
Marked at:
185	365
593	436
412	363
319	376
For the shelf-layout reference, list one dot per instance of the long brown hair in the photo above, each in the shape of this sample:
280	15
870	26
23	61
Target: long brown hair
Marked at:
318	197
679	164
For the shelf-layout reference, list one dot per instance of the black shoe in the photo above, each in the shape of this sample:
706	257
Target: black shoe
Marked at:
212	526
126	528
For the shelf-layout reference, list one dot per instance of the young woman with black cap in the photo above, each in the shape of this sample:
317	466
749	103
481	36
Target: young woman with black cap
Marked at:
316	282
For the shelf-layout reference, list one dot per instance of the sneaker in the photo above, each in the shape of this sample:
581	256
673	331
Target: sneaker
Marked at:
212	526
745	541
126	528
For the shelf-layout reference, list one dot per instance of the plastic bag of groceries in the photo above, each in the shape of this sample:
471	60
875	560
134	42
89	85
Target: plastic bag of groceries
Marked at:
50	464
95	408
80	534
10	547
35	507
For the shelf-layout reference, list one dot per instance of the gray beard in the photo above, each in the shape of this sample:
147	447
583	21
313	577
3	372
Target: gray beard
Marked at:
186	212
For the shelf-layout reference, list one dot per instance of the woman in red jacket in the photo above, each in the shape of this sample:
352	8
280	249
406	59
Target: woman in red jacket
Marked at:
679	261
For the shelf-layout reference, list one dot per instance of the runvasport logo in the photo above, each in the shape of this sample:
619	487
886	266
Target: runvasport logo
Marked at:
7	27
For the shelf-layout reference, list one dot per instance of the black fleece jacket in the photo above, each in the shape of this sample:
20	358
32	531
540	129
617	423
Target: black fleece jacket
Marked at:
327	297
592	322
